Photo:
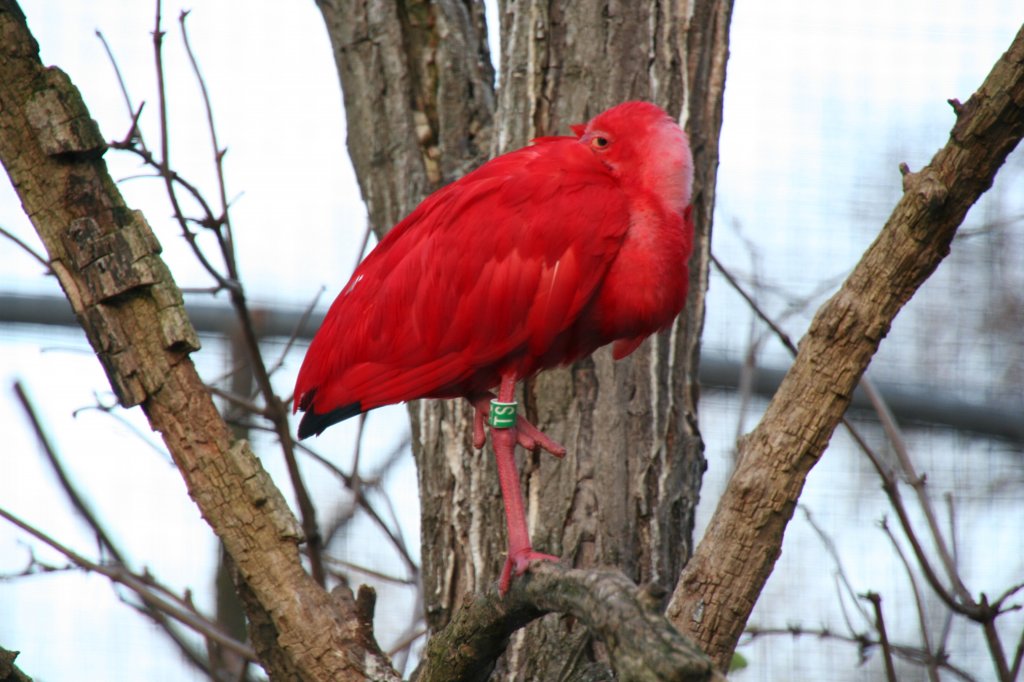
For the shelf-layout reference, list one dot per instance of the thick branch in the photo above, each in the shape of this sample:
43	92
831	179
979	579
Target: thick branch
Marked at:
641	643
107	261
719	586
8	671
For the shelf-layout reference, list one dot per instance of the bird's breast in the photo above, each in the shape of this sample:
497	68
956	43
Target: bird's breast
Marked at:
645	287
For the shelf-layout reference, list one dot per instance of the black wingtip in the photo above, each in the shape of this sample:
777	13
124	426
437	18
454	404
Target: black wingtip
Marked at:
313	424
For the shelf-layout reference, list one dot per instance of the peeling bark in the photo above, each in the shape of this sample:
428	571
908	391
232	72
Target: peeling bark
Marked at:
108	263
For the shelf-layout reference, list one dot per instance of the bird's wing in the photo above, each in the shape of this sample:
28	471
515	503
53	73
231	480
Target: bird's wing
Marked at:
493	266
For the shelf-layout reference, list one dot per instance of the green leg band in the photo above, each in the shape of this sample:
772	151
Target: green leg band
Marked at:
503	415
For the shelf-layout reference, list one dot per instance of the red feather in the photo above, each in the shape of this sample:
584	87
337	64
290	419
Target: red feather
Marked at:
535	259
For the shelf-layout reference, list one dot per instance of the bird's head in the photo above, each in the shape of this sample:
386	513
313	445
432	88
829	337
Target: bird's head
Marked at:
642	144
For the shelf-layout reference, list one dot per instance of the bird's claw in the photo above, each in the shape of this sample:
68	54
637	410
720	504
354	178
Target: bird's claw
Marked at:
517	563
531	437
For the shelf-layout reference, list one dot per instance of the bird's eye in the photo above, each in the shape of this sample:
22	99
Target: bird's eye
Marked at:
599	142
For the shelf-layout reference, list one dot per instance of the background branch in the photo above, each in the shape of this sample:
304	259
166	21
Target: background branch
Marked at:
106	544
718	588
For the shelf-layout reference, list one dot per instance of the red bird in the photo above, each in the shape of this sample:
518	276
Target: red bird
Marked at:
536	259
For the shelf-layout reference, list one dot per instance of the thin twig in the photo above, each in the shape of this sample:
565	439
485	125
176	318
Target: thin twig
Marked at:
141	587
883	637
164	165
995	644
917	482
407	640
782	336
947	620
36	566
904	652
830	548
1018	657
117	415
922	616
134	132
107	545
303	319
394	536
25	247
226	237
349	566
237	400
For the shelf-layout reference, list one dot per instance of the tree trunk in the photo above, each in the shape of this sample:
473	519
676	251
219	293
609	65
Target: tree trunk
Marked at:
625	494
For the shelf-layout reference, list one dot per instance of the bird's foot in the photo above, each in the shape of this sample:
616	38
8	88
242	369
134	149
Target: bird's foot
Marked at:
517	563
527	435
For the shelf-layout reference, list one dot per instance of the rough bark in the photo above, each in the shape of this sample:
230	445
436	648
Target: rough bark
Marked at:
427	65
625	494
8	671
418	91
641	643
720	585
107	261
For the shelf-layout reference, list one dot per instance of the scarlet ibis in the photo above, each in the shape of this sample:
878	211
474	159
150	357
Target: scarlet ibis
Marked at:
535	259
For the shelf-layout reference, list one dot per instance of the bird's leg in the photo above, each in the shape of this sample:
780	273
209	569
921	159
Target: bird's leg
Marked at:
504	438
527	435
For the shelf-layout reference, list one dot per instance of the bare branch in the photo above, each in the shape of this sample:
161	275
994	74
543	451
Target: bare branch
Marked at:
142	588
333	561
134	135
302	322
922	617
225	238
24	247
1018	657
641	643
105	542
883	637
719	586
917	482
862	641
844	580
738	288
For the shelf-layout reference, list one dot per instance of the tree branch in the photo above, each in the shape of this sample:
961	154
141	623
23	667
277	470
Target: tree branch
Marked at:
718	588
8	671
152	596
106	544
883	637
641	643
107	260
